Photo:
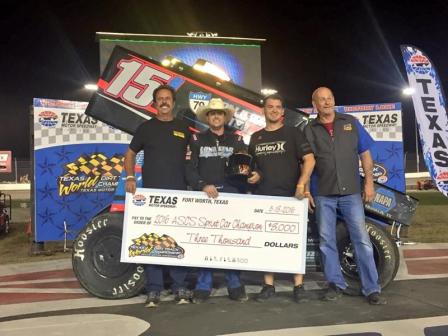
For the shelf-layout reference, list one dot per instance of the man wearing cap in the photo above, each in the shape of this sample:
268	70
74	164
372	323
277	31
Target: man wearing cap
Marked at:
210	151
340	142
283	165
164	141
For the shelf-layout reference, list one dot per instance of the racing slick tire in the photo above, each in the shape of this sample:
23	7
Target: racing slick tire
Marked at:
385	250
96	260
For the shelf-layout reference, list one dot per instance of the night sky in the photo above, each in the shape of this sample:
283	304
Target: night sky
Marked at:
49	48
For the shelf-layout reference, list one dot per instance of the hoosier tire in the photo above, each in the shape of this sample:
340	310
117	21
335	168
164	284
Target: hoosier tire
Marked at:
385	250
96	260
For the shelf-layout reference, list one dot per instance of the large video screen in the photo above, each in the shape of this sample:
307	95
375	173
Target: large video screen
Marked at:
240	61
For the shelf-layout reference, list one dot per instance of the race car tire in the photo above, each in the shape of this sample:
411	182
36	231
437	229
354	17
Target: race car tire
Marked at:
96	260
385	250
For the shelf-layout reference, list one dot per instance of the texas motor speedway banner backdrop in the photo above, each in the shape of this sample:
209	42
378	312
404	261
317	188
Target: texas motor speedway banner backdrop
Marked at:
77	165
384	124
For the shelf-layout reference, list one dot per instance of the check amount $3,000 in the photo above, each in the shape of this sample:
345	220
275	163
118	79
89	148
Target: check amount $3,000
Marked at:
257	228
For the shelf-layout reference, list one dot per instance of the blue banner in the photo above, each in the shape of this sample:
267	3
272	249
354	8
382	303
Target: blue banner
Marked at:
78	163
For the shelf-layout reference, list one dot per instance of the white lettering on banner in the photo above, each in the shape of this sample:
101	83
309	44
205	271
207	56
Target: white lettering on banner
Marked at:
234	231
431	114
384	125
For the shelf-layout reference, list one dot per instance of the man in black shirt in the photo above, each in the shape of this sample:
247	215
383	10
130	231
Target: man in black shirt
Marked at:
283	165
164	141
210	151
340	142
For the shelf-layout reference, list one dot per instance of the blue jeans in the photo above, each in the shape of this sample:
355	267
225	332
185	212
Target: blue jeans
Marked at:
205	279
352	211
205	275
154	277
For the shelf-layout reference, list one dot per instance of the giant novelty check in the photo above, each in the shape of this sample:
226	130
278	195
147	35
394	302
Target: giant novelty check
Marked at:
234	231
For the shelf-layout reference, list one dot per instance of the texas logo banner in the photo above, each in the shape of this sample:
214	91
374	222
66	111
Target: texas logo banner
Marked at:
430	111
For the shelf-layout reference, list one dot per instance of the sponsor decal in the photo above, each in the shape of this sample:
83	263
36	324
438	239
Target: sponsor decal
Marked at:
179	134
215	151
420	64
198	100
443	177
139	200
48	118
162	201
380	173
77	120
135	83
91	173
384	200
267	148
383	119
153	245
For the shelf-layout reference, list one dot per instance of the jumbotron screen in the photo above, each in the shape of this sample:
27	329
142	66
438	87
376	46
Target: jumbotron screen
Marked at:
238	58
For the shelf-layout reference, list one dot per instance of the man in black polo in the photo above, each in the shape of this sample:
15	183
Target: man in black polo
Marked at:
338	142
164	141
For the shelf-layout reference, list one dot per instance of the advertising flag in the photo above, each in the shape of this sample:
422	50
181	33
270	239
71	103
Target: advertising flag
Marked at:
430	111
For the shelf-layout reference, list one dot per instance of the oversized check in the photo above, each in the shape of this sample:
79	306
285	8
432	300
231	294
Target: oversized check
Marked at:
234	231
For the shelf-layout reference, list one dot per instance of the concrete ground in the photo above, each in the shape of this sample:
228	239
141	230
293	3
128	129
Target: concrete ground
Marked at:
45	298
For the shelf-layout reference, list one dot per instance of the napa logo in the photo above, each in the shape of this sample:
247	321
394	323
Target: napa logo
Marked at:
420	64
48	119
384	200
198	100
139	200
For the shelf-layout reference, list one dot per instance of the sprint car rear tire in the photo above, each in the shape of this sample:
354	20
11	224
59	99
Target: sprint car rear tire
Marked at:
385	250
96	260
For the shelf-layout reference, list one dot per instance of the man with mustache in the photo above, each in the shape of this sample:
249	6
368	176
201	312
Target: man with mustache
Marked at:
210	152
283	165
164	141
339	141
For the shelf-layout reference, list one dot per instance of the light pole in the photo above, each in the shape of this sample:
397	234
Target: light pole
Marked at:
409	91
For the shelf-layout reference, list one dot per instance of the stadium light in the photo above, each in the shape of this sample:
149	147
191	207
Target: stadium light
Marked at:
208	67
409	91
91	87
267	92
170	61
